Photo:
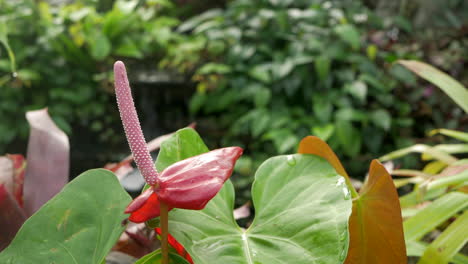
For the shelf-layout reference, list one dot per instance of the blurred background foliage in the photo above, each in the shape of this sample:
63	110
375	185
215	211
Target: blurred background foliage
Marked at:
260	74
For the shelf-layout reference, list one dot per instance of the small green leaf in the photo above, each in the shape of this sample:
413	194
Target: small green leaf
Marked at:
261	73
322	67
100	46
349	34
78	225
349	137
382	119
358	89
323	132
214	68
371	51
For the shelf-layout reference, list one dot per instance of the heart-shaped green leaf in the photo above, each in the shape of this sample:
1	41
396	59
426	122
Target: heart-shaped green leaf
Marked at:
78	225
302	210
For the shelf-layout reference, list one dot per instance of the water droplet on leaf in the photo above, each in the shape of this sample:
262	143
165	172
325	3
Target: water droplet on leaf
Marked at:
343	255
340	181
347	193
291	160
343	235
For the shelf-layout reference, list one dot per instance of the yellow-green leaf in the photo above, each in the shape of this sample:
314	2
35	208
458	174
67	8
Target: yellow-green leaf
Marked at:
446	245
450	86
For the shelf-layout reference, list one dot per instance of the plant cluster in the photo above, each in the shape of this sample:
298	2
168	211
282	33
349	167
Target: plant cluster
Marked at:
76	41
275	71
306	207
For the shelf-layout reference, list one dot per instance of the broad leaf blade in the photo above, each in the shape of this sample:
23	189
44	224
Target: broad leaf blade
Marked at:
48	161
301	216
79	225
302	207
450	86
376	228
302	211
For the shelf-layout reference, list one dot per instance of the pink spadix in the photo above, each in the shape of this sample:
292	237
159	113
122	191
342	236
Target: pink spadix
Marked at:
187	184
131	125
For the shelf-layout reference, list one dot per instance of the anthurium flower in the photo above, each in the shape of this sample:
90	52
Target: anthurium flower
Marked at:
177	246
187	184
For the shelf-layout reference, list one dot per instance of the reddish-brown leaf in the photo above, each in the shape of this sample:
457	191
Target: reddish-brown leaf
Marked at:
316	146
376	225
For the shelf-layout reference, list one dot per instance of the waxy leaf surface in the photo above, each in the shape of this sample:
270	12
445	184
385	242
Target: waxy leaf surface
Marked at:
375	226
301	210
79	225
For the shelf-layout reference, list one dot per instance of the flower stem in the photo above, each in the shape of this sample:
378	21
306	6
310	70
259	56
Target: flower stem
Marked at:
164	232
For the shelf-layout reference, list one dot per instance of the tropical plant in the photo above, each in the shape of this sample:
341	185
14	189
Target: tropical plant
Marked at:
340	225
76	41
435	210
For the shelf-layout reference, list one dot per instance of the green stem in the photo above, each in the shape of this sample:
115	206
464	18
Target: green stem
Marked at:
349	184
164	232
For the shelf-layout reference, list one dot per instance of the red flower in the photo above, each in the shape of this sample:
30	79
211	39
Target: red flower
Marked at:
187	184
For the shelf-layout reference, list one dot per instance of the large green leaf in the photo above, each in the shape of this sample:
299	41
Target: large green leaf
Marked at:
78	225
302	211
450	86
